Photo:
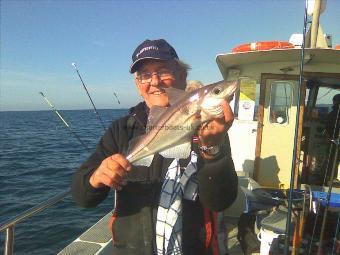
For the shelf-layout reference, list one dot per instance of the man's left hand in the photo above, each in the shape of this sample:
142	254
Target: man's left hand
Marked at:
213	132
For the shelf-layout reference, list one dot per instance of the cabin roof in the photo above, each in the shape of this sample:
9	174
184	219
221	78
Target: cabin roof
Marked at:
316	60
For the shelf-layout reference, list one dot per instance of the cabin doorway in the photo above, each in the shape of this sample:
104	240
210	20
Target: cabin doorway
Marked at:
276	130
320	128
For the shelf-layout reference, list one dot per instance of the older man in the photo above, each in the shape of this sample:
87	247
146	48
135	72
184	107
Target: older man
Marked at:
144	221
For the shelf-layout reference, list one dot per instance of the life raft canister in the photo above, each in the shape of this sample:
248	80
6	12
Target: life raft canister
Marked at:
258	46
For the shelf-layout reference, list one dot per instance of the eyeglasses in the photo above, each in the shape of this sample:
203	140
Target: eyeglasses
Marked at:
146	77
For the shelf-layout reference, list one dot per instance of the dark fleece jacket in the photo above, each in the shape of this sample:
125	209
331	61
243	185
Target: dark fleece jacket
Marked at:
137	203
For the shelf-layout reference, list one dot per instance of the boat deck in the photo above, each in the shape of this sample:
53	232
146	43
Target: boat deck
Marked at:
97	239
232	242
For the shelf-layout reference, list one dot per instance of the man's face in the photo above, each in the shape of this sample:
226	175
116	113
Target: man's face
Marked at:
155	75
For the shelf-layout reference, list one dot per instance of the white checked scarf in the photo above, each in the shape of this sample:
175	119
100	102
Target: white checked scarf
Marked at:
169	216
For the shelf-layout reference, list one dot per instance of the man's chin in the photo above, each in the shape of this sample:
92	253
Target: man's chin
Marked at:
159	100
162	103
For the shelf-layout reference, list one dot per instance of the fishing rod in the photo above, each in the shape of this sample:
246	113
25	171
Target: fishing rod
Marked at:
116	97
88	94
294	160
334	146
94	107
63	120
336	234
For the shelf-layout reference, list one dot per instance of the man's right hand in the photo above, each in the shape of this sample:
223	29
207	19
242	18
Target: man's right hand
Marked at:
111	172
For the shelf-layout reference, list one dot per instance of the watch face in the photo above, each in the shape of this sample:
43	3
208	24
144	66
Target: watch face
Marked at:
212	150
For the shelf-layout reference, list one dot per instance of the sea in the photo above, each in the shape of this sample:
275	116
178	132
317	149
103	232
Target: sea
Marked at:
38	157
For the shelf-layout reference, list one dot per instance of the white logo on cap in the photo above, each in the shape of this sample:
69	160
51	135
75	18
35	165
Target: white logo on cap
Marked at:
146	49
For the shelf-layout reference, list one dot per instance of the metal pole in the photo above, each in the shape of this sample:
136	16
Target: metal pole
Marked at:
294	160
9	241
9	224
34	210
334	139
336	243
334	167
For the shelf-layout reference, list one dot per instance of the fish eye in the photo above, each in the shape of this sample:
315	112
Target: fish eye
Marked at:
216	91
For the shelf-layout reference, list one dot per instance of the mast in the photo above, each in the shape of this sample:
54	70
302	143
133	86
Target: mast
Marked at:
315	23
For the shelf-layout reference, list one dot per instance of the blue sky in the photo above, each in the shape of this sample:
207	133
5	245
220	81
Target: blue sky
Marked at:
40	40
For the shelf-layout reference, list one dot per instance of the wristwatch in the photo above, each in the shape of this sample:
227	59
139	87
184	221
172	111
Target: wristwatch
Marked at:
210	150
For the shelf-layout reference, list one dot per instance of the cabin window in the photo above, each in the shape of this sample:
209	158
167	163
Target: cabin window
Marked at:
324	102
280	102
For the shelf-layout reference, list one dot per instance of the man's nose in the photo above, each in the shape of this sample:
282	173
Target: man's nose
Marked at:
155	81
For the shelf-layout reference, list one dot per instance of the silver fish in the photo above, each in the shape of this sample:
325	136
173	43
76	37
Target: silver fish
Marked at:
170	129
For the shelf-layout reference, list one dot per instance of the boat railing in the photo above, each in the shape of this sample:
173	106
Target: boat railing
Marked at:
9	225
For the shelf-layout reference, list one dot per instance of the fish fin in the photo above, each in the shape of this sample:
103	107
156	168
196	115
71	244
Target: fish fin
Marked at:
144	161
179	151
154	115
174	95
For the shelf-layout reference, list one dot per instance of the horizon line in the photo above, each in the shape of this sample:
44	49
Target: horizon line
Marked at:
89	109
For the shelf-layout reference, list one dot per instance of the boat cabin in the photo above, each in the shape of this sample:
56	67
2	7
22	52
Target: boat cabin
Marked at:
266	107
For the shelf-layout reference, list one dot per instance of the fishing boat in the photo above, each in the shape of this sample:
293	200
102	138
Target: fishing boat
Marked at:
279	136
287	165
279	125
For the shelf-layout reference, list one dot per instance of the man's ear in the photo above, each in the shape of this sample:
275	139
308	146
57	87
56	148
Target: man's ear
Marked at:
183	76
181	79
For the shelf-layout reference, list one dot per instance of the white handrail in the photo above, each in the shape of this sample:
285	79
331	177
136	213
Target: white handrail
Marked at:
9	225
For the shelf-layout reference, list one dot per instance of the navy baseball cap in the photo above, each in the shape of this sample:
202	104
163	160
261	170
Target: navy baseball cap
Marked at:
152	49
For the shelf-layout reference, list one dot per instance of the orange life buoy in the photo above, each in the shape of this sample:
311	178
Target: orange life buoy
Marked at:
337	47
267	45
